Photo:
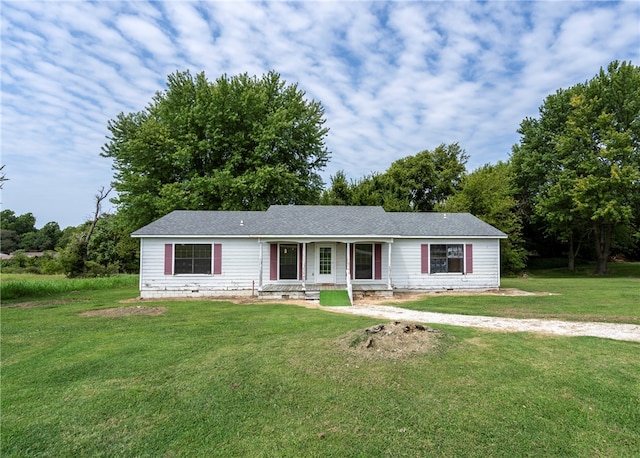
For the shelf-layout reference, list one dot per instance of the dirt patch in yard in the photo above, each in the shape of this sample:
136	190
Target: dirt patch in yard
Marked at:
398	297
394	340
32	304
126	311
409	296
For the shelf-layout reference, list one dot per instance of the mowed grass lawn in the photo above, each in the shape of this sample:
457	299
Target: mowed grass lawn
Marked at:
270	380
580	296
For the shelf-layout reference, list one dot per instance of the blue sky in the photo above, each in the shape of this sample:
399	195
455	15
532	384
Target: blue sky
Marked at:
395	78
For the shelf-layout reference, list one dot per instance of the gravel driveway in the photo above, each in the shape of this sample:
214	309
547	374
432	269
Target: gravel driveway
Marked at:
628	332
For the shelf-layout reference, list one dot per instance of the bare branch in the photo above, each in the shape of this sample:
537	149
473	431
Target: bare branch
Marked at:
3	176
102	195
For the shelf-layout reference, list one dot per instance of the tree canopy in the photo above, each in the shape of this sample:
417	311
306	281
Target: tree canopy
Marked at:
412	183
238	143
488	193
19	233
578	164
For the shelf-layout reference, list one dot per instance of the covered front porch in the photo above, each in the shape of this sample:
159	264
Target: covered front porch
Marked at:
301	268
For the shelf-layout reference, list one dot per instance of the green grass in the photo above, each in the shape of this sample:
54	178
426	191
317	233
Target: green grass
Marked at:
221	379
5	278
570	296
334	298
26	286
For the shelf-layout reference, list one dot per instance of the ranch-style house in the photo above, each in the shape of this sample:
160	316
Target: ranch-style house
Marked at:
295	251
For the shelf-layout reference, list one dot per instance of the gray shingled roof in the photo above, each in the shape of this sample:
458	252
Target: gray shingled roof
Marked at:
198	222
326	220
303	220
442	224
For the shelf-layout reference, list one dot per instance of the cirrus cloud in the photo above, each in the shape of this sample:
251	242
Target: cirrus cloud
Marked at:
395	78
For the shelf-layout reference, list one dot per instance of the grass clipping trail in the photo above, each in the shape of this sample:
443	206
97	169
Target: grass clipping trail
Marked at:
395	340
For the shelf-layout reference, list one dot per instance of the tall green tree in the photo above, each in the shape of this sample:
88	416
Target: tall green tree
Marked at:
8	241
339	191
16	230
238	143
412	183
21	224
579	163
111	245
425	179
489	193
544	202
42	239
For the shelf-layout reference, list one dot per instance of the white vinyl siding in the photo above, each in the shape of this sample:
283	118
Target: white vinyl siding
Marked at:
240	269
407	274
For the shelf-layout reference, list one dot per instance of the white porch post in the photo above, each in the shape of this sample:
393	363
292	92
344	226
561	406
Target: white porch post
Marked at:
389	268
304	266
349	286
260	270
348	262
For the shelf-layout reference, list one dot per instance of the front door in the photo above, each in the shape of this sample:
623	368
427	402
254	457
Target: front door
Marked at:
326	263
288	261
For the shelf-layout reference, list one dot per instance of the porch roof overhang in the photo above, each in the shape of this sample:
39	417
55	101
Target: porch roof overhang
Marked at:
312	238
326	238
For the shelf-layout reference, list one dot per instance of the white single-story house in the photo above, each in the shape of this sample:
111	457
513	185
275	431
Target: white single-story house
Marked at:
296	251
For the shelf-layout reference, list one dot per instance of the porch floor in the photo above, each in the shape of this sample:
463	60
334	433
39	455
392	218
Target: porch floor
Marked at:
279	288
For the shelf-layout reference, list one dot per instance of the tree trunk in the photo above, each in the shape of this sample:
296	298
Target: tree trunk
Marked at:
102	195
572	254
602	235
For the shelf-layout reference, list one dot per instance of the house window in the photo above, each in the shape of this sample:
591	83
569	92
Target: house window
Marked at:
447	258
288	261
363	261
192	258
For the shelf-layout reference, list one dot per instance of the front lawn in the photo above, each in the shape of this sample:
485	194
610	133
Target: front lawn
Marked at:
579	297
220	379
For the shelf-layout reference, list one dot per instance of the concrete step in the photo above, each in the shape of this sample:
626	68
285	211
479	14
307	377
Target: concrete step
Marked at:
312	295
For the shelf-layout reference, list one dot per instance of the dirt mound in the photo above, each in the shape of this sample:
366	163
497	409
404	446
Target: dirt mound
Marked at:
126	311
393	340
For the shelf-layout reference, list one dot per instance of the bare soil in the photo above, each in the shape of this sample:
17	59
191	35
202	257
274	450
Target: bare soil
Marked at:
400	297
126	311
394	340
32	304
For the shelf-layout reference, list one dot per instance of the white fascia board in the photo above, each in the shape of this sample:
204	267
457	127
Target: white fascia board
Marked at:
311	238
350	238
458	237
204	236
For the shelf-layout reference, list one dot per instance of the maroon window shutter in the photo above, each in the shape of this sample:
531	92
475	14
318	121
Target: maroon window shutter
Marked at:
300	261
468	258
273	262
168	259
217	259
424	258
378	261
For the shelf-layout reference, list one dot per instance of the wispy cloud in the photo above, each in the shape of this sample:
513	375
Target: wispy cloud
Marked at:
395	78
